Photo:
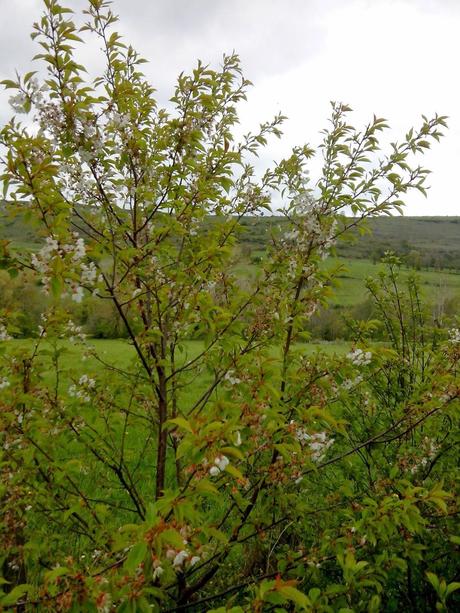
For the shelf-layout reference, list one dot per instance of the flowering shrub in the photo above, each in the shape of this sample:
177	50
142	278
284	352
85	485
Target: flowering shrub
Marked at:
235	472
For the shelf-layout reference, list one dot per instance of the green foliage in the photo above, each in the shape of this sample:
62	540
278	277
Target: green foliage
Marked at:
237	472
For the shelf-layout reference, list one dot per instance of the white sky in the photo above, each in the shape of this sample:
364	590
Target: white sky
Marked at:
395	58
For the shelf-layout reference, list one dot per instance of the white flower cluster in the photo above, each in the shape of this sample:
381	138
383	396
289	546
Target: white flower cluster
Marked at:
120	121
220	464
254	199
52	120
75	332
34	95
79	249
349	383
4	383
94	143
36	91
359	357
454	336
230	377
84	388
42	262
18	102
429	449
88	273
158	570
4	336
76	181
317	228
318	443
179	558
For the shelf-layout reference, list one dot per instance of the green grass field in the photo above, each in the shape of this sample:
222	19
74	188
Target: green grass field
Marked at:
120	353
436	239
110	357
350	285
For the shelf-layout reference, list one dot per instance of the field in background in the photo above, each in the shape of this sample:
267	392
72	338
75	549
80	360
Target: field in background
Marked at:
426	242
430	246
120	353
350	290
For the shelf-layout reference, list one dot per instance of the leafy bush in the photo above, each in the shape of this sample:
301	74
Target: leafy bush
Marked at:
235	473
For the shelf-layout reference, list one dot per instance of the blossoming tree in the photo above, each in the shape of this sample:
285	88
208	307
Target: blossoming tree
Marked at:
222	467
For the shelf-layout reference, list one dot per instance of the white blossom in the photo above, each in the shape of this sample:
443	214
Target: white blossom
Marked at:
75	332
180	558
230	377
318	443
159	570
88	273
4	383
79	250
359	357
82	390
85	380
4	336
222	462
18	102
41	330
429	449
349	383
120	120
77	293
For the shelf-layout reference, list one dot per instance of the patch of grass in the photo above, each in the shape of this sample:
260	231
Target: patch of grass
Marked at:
350	285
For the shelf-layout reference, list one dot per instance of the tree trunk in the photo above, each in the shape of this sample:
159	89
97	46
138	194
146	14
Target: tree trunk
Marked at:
162	435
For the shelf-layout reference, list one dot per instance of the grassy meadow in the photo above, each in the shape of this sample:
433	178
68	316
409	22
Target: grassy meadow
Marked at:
352	273
429	246
119	354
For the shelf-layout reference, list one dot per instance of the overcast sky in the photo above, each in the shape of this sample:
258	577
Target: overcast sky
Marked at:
395	58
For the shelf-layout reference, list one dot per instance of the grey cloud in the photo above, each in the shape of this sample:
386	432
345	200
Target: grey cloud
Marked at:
269	36
299	53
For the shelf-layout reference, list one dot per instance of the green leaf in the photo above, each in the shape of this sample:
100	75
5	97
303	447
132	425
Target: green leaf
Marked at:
181	422
135	556
16	593
433	579
295	596
233	452
226	183
204	486
59	571
29	75
314	594
8	84
452	587
232	470
56	287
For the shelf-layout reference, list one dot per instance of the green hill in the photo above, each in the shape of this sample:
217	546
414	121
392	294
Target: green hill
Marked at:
429	244
426	242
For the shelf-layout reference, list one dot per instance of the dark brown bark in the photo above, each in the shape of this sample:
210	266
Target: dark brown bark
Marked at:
162	435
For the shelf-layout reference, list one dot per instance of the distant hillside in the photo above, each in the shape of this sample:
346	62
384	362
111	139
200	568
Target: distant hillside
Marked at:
432	241
426	242
17	230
